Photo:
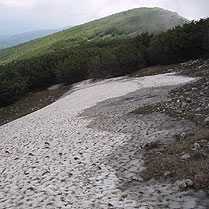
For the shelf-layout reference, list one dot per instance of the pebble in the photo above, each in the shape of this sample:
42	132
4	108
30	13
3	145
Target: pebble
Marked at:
167	173
206	121
196	145
198	109
181	136
182	184
185	156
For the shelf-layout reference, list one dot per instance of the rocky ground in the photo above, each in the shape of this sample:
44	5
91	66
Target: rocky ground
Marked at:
188	156
118	143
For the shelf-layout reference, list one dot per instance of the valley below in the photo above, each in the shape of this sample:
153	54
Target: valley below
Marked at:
139	141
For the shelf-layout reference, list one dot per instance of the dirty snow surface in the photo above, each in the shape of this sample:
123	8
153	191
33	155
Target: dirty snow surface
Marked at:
83	151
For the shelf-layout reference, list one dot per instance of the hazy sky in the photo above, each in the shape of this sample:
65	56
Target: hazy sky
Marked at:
24	15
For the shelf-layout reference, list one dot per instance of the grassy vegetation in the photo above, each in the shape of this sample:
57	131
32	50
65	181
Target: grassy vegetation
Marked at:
104	59
117	26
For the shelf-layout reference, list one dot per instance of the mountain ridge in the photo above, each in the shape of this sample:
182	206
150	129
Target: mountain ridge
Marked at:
119	25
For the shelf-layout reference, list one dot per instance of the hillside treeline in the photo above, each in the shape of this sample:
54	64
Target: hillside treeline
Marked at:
103	59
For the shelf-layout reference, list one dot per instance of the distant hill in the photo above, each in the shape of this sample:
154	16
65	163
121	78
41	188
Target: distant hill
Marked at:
2	37
120	25
13	40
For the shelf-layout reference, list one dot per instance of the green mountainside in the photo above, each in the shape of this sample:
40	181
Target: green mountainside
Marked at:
120	25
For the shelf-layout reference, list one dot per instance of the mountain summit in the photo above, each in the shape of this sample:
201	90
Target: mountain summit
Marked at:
120	25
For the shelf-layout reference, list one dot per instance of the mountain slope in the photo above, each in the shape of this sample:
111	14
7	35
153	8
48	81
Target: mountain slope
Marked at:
16	39
131	22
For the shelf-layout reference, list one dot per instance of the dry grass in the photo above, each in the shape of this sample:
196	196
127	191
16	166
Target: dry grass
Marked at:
170	159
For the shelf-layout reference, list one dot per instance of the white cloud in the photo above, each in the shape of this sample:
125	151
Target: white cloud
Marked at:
107	7
191	9
34	14
18	3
